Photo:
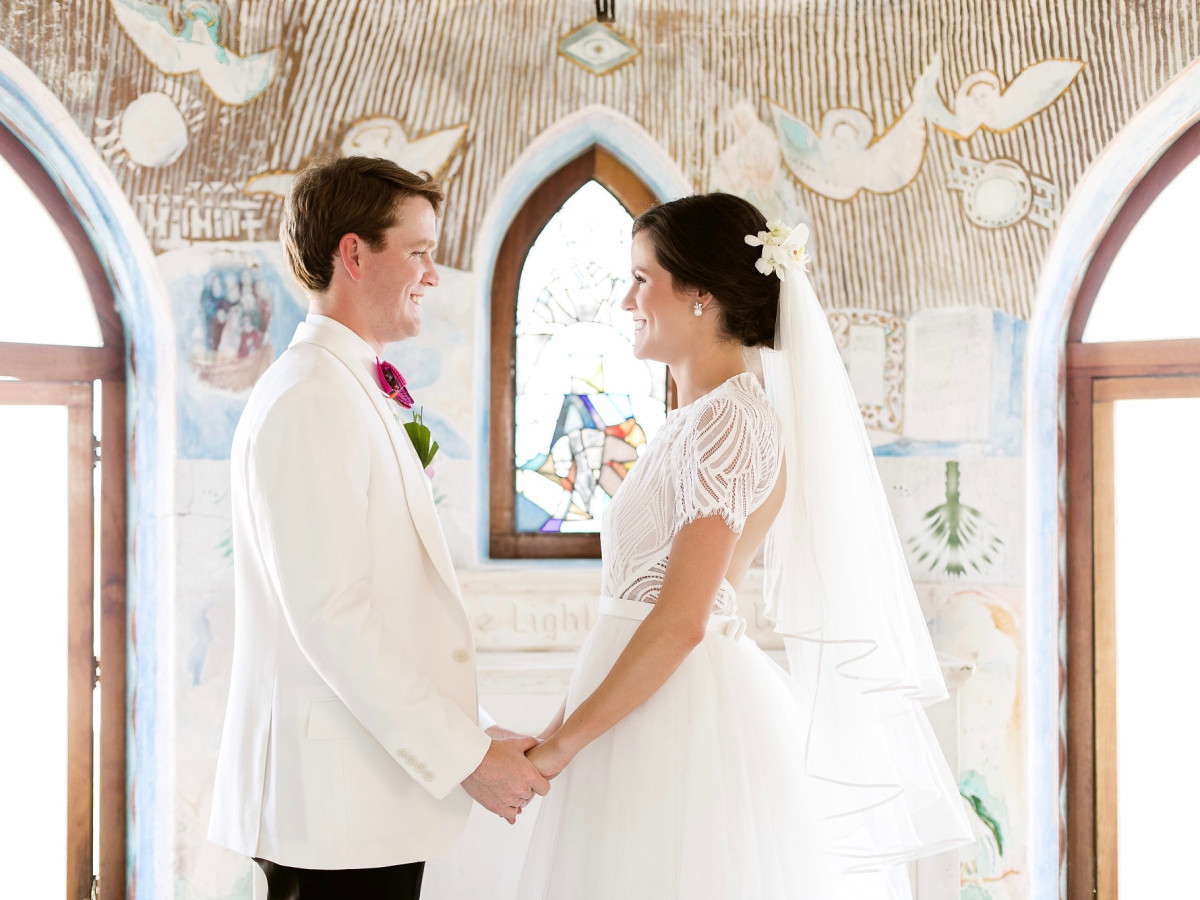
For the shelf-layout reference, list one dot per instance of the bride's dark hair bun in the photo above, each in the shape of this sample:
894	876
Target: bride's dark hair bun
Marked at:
701	241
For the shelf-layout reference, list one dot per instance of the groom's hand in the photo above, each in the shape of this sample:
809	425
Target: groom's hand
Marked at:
505	781
500	733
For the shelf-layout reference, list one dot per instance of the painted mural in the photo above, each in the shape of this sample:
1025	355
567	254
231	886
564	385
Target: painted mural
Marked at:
955	538
196	46
384	137
866	152
236	308
983	101
983	627
846	155
872	346
749	167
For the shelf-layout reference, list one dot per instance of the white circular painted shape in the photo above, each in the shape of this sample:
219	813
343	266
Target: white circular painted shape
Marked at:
153	132
1002	195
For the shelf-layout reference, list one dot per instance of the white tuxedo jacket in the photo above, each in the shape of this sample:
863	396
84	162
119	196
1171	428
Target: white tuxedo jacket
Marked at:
352	705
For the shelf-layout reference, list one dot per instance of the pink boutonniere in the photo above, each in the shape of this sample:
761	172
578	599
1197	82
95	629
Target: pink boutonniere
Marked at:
396	388
393	383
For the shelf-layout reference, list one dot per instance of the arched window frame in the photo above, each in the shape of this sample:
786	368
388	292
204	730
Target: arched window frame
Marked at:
72	371
1098	372
594	164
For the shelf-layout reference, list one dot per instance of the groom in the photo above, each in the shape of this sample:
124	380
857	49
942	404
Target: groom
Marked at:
351	748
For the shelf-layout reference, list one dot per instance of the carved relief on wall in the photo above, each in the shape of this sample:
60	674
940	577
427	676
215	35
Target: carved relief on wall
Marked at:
872	344
195	46
597	48
384	137
981	101
847	156
152	131
999	193
749	167
200	211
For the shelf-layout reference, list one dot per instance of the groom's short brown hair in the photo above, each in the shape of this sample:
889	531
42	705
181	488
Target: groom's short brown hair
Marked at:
333	197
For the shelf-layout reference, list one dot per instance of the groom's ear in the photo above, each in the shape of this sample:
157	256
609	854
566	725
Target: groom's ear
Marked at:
349	252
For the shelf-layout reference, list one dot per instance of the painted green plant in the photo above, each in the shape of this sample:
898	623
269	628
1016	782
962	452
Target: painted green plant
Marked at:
974	790
955	537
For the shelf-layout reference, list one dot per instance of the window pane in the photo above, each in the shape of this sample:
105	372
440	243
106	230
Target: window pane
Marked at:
1152	291
33	649
585	406
1156	494
44	299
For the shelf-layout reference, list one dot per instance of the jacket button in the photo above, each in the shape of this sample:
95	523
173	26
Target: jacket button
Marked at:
460	655
429	776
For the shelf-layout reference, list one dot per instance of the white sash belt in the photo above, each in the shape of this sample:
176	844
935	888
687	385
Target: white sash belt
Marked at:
730	626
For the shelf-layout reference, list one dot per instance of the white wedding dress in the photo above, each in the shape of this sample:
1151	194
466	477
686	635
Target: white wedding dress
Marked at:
700	792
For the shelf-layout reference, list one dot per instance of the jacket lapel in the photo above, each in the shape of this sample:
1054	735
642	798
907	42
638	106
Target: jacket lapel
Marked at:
416	482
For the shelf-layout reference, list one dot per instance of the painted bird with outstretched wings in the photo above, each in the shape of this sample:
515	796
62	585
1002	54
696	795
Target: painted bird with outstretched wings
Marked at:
982	101
847	156
384	137
196	47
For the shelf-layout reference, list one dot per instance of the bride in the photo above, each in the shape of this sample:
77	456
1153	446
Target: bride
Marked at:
687	763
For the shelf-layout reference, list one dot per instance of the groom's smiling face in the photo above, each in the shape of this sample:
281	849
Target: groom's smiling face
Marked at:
394	278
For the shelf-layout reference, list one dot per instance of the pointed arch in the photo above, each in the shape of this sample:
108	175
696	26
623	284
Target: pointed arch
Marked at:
506	540
626	147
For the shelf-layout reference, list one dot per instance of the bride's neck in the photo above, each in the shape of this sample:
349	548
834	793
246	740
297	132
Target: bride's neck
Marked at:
696	376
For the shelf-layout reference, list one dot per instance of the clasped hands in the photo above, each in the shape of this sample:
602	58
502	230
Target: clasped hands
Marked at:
514	768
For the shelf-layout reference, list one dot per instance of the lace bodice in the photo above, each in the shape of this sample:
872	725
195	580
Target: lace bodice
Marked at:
717	456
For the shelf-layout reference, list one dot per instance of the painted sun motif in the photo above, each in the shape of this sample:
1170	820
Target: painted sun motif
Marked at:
151	132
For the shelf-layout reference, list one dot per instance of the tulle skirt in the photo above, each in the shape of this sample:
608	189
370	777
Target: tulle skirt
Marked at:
698	793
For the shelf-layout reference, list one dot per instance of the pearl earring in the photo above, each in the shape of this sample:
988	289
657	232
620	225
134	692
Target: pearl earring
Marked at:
697	309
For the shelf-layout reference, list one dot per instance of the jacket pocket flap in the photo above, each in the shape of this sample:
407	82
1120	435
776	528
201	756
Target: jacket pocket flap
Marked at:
332	719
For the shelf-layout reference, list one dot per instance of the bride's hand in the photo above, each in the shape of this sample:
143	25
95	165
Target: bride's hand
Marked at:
555	724
548	757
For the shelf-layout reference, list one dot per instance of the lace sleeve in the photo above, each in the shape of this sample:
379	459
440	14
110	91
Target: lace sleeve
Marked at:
727	463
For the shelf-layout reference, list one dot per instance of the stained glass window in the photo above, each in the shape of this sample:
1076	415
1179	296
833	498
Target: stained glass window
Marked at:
585	405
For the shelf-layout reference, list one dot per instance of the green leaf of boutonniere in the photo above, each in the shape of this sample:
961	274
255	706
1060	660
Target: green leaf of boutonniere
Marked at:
422	438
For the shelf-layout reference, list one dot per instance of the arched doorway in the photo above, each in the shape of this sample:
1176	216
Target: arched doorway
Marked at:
1062	863
62	411
1132	423
123	259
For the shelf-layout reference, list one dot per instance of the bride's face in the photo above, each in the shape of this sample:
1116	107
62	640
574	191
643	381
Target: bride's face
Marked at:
663	322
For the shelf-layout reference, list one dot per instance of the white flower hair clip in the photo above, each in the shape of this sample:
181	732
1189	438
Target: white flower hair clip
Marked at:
781	245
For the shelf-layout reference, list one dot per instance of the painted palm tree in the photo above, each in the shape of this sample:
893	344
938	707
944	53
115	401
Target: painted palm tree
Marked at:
955	537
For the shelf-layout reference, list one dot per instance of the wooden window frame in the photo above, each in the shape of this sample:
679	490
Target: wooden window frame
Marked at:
595	164
1096	375
69	373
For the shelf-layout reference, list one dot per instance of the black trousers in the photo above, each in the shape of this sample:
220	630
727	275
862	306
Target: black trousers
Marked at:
387	883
